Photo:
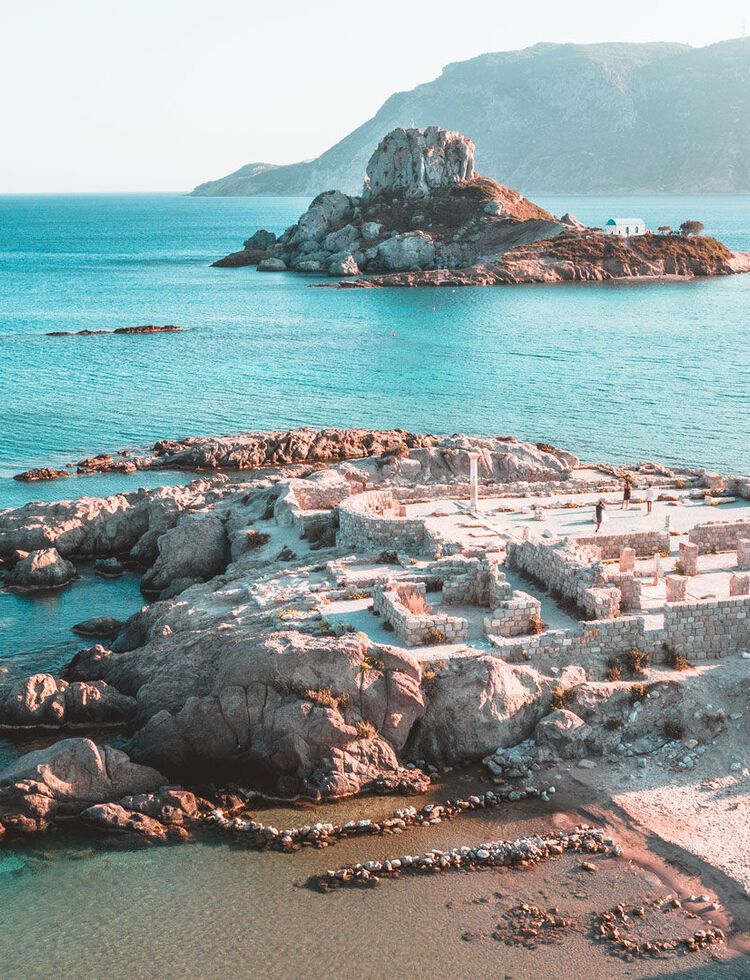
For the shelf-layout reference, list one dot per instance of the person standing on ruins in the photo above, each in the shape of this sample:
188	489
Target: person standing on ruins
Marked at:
626	491
649	498
599	513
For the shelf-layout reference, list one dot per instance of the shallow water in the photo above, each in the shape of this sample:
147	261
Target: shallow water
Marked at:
640	370
211	909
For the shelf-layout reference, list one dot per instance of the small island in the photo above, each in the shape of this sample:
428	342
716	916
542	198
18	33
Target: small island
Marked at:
426	218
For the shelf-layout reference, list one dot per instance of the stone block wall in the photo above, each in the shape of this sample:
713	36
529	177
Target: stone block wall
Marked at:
644	543
373	521
743	554
299	500
593	646
688	558
739	585
470	581
416	629
566	569
717	536
513	616
707	630
630	590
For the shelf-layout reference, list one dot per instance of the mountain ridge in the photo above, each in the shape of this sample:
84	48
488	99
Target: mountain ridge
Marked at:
615	117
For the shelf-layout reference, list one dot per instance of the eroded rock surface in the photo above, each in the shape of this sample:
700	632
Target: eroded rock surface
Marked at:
43	568
65	779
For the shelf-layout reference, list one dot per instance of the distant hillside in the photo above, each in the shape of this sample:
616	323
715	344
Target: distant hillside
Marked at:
598	118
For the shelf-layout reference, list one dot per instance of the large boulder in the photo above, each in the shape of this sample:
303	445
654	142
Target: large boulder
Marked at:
561	735
195	549
47	701
344	238
327	211
42	569
408	251
481	704
414	162
272	265
64	780
262	239
287	707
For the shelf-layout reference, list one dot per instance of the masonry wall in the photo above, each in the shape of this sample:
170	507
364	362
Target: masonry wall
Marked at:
718	535
707	630
567	571
644	543
416	629
370	522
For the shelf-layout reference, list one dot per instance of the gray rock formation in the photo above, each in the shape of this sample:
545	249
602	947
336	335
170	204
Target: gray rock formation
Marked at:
413	162
195	549
64	780
412	250
46	701
482	704
41	569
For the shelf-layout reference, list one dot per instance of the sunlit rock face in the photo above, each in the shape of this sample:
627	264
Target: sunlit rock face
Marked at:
414	162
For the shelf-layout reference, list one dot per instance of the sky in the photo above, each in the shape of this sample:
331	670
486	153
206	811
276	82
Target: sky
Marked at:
160	95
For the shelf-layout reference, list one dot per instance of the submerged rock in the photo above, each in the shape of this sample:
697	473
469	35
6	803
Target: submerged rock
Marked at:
98	626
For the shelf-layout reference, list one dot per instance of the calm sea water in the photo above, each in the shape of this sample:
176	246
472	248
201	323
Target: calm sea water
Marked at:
613	372
656	370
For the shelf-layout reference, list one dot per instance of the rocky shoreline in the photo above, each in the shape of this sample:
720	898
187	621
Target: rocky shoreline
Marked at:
267	661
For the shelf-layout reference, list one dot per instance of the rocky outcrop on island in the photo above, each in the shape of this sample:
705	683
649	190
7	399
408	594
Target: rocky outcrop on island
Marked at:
422	206
425	218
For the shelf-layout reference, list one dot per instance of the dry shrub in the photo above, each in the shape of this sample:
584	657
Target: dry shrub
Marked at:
614	671
559	698
365	729
545	447
676	660
637	661
371	663
326	697
536	625
672	730
256	539
638	692
415	602
432	636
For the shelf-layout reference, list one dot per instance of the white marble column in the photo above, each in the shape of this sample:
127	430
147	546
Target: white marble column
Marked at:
474	482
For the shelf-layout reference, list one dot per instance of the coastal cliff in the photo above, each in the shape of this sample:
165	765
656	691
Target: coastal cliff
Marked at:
425	217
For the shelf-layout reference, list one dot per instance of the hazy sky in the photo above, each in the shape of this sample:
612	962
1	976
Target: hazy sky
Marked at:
163	94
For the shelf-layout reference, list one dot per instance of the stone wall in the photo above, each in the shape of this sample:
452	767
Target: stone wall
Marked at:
630	589
593	646
718	535
707	630
644	543
416	629
514	616
566	570
470	581
374	521
307	503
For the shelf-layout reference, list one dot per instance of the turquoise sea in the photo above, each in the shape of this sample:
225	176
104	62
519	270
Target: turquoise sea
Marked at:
656	370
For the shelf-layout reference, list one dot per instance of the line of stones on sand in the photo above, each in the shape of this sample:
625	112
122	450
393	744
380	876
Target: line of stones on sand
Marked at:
266	837
521	853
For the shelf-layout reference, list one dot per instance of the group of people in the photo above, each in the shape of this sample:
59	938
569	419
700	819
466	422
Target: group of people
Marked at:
627	492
